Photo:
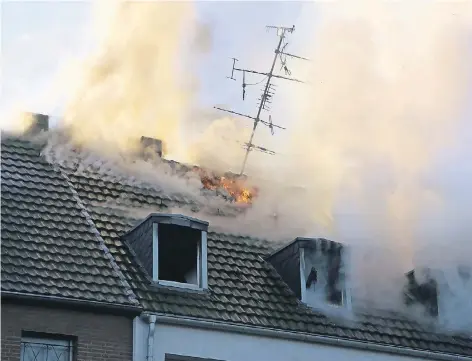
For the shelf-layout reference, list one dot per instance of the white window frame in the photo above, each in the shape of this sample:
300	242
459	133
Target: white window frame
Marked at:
46	341
202	257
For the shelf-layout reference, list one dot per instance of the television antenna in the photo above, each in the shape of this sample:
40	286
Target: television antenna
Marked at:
268	90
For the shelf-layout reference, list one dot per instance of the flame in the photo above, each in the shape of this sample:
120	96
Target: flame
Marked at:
236	187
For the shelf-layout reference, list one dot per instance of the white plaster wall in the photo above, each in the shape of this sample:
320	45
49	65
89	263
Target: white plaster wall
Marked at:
226	346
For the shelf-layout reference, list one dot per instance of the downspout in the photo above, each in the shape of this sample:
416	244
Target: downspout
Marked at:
150	344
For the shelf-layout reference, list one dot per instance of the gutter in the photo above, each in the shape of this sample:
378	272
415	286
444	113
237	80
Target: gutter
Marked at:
305	337
69	301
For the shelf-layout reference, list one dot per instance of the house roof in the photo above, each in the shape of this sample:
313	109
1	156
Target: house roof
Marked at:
243	288
49	246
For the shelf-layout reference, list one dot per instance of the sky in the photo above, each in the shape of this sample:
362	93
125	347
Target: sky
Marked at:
40	37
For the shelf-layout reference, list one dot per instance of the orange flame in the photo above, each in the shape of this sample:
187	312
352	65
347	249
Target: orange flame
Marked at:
235	187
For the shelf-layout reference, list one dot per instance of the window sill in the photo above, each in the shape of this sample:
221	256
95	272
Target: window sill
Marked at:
179	287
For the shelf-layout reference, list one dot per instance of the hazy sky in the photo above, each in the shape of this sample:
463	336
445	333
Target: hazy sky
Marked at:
38	37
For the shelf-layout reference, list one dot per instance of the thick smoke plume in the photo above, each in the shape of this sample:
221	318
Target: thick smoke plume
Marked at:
389	83
136	83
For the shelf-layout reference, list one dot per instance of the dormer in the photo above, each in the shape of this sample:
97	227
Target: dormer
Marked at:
442	293
315	270
172	248
423	292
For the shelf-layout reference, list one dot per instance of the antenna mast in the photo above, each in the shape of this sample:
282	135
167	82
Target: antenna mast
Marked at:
268	90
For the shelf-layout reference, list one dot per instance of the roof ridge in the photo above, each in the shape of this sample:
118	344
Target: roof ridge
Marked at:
129	291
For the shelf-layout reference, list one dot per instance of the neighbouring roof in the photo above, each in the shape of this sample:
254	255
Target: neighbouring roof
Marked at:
49	248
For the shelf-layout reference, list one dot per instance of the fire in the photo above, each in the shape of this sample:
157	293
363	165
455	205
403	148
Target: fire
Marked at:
235	186
237	190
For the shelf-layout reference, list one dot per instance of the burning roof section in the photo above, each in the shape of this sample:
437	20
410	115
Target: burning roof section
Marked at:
233	190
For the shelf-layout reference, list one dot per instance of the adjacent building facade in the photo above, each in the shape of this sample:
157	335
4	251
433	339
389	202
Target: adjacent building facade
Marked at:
106	283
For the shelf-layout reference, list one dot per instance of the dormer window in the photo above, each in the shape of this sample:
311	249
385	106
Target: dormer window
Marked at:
315	270
172	249
424	293
322	267
442	293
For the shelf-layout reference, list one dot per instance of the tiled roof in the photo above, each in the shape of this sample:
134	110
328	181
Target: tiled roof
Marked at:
48	246
243	288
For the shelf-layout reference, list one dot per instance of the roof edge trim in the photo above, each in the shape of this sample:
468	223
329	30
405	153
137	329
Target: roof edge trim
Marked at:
176	219
305	337
299	239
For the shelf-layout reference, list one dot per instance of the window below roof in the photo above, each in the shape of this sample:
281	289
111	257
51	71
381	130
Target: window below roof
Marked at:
45	347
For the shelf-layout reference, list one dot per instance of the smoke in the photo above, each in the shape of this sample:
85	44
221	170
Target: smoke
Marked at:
387	97
136	82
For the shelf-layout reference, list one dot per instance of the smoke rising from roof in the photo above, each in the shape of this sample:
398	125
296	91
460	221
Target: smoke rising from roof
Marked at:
137	83
387	95
389	83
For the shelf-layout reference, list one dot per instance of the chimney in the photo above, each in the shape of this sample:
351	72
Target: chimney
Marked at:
39	122
151	146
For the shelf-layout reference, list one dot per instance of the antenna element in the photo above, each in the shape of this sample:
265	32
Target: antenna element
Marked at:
267	91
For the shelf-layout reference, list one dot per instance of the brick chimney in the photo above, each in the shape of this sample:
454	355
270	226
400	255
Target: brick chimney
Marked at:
151	146
39	123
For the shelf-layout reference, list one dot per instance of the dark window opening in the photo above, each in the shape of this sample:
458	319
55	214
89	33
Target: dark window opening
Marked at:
178	253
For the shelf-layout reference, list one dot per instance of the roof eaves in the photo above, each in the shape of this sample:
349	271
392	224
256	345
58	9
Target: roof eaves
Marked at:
71	301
